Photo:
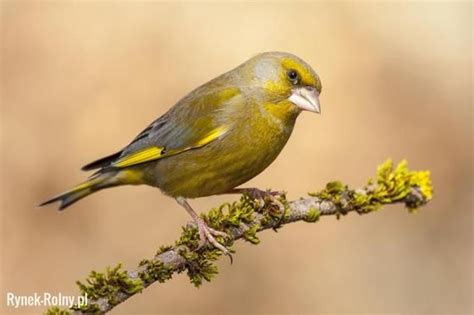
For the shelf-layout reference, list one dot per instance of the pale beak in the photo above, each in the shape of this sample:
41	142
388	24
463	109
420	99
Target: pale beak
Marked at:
306	98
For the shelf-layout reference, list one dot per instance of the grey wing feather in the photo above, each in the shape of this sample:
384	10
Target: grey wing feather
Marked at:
172	130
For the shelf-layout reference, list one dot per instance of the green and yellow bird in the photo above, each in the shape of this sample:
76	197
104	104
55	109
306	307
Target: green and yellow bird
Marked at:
216	138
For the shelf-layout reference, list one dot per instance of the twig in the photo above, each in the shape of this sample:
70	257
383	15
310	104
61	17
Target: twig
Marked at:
243	220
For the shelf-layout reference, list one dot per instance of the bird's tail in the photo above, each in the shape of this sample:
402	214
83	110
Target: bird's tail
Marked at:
95	183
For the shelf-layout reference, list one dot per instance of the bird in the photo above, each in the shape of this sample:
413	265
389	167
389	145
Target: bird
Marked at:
214	139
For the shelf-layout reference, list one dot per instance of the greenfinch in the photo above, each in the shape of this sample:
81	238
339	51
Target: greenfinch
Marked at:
217	137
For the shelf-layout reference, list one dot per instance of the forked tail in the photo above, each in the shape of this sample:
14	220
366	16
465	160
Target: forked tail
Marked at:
96	183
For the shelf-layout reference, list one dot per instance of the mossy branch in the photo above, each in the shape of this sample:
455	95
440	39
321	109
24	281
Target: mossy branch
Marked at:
243	219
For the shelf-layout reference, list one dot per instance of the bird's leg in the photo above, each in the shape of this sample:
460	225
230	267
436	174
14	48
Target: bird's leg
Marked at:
263	195
206	233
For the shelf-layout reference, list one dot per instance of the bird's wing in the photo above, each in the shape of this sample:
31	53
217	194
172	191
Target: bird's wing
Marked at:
154	152
195	121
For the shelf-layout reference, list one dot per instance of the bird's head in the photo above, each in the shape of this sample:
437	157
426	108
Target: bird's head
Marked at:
287	84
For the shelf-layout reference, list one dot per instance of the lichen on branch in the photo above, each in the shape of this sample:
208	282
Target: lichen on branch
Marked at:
243	219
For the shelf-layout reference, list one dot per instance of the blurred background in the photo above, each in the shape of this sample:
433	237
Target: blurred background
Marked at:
81	79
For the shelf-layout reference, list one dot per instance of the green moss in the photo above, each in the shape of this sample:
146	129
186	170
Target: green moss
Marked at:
313	215
189	237
272	215
335	187
108	284
155	270
250	234
391	185
200	265
231	214
286	207
57	311
397	184
332	190
240	212
364	203
163	249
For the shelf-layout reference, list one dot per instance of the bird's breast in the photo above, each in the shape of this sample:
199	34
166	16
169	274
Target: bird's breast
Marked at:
244	152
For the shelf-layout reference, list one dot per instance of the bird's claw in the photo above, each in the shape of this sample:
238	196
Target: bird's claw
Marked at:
267	195
206	235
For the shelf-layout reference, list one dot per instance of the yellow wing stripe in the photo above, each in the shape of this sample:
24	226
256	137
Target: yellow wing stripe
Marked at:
155	153
211	136
142	156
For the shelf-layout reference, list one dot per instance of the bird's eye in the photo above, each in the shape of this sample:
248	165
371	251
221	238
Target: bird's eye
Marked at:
293	76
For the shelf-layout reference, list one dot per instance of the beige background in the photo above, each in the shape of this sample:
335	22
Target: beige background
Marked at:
79	80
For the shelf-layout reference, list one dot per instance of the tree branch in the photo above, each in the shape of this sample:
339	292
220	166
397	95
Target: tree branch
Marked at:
243	220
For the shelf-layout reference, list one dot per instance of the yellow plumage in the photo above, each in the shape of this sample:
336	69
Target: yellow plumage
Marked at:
217	137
